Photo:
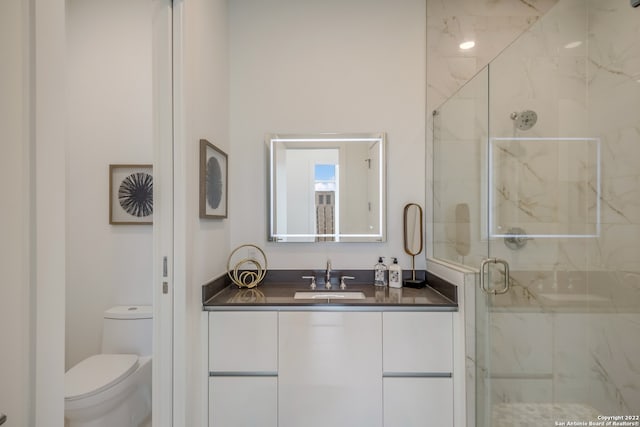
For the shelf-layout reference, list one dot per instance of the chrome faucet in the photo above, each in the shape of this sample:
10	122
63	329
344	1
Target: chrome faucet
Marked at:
327	277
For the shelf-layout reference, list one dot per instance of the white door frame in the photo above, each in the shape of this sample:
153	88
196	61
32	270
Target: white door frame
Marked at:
47	189
180	229
164	255
17	228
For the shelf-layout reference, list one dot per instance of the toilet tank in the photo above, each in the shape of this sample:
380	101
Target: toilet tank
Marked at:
128	329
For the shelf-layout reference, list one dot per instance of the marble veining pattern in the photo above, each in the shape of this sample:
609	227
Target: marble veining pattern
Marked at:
585	352
493	24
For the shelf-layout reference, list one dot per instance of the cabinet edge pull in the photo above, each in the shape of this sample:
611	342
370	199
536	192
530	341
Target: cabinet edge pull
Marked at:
243	374
417	375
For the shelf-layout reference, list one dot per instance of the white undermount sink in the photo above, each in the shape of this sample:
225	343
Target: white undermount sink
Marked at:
329	295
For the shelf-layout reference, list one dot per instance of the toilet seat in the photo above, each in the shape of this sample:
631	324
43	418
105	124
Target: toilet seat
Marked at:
97	373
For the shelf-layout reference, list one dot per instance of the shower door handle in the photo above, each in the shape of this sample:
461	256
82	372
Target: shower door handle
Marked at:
3	418
484	267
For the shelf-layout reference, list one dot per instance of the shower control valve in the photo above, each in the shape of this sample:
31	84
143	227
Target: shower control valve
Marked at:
516	238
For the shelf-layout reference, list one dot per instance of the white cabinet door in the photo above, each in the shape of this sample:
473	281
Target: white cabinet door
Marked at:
418	402
243	341
418	363
243	402
418	342
330	369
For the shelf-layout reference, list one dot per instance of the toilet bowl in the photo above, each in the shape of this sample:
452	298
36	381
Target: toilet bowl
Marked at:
114	388
108	390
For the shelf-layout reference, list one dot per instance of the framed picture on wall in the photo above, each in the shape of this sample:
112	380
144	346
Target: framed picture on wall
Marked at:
130	194
213	181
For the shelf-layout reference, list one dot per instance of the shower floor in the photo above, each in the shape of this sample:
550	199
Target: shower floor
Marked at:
541	414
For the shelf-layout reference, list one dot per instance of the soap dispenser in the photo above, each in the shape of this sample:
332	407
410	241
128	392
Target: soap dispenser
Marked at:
380	273
395	274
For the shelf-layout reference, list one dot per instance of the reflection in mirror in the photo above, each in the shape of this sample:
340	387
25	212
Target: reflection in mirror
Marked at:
327	188
413	232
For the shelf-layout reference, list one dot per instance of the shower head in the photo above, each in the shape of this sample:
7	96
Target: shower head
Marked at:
524	120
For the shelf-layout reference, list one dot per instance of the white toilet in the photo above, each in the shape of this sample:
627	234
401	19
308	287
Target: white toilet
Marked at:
114	388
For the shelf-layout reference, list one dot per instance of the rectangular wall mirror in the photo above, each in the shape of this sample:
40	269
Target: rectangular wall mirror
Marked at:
327	188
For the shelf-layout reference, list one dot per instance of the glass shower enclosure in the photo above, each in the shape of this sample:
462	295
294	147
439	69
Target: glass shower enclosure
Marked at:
536	166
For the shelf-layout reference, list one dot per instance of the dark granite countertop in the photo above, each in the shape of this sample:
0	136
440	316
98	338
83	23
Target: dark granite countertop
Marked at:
280	296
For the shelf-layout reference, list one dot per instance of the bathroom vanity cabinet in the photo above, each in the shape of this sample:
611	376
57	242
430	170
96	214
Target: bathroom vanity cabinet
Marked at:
243	368
417	354
339	368
329	369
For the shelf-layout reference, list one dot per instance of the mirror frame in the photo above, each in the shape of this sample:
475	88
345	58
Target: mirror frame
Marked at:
420	214
328	138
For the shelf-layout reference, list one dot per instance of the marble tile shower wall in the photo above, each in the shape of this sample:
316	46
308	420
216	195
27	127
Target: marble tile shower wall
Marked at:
614	105
595	359
573	91
541	351
566	352
493	24
531	188
583	351
614	91
544	187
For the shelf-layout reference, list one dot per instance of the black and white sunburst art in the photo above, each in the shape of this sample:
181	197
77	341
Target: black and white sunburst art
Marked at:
214	183
135	194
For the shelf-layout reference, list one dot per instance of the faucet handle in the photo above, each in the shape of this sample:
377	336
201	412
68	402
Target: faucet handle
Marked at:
313	281
342	279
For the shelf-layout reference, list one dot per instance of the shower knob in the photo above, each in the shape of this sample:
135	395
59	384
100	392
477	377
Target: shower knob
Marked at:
516	238
524	120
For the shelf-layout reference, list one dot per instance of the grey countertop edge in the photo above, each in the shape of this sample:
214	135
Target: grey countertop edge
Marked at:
330	307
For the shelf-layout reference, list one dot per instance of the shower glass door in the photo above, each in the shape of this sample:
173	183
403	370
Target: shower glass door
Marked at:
543	217
536	163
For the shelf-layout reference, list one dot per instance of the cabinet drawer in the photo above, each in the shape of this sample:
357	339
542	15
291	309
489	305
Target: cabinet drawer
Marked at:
419	342
418	402
243	401
243	342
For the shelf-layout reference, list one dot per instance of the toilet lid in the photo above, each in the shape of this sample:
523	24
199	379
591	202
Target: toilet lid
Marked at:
97	373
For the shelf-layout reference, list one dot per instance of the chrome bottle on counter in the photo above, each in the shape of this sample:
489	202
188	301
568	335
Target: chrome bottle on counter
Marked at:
380	273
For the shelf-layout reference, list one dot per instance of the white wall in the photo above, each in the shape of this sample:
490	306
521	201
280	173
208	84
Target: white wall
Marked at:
109	122
15	292
202	94
206	105
331	66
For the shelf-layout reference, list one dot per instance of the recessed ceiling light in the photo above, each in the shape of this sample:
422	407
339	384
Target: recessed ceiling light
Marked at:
572	44
467	45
